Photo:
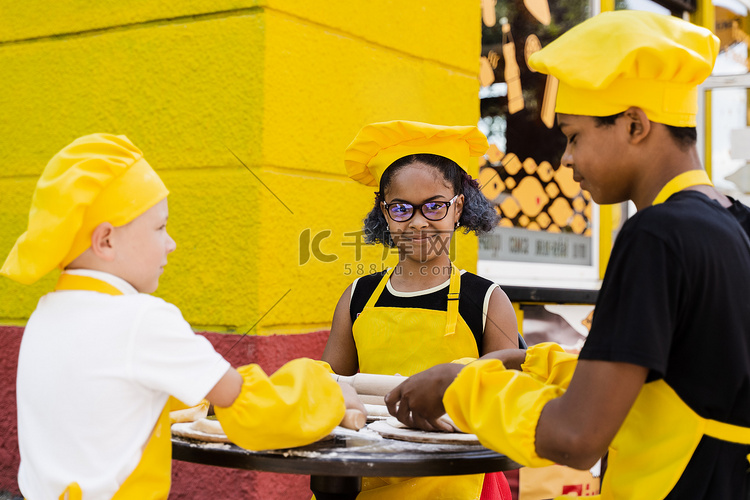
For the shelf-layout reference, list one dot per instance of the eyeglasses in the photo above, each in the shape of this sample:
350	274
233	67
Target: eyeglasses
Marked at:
432	210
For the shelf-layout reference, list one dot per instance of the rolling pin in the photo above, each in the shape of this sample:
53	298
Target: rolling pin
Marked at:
370	383
377	410
369	399
354	419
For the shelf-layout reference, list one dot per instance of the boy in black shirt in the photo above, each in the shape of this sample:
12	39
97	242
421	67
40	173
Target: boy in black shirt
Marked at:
663	380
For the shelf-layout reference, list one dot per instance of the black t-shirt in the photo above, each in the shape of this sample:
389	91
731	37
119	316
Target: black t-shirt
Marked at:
470	304
676	300
741	213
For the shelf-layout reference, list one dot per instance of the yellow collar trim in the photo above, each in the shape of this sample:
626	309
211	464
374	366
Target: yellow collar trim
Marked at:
76	282
682	181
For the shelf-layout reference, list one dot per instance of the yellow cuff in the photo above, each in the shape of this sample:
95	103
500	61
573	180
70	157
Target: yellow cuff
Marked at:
323	365
297	405
550	364
502	407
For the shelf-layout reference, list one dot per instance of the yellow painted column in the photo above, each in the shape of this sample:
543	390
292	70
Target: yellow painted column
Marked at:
605	236
605	211
606	5
707	135
704	15
519	316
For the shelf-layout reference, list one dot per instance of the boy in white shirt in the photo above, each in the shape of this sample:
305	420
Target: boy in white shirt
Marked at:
100	357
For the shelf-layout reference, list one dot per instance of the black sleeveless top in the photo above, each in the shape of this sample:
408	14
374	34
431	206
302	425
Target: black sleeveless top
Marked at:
471	303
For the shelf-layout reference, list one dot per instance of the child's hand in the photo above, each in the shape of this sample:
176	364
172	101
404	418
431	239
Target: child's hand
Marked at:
351	400
356	415
418	402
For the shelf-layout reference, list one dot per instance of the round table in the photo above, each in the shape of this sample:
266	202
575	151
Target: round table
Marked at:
336	465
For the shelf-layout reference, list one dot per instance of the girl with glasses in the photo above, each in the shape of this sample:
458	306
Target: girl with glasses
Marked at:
424	311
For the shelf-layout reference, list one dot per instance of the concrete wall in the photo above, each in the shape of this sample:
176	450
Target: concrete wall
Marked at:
282	85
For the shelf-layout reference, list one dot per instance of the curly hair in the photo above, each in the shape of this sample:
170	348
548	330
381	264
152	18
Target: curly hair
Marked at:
478	215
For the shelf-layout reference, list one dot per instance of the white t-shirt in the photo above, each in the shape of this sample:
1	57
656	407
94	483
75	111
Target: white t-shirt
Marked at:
94	374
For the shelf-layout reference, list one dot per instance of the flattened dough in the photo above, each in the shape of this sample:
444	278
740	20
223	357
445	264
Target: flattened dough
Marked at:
202	430
393	429
209	426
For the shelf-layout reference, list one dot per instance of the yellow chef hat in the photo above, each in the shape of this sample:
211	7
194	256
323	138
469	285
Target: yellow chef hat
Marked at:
378	145
630	58
97	178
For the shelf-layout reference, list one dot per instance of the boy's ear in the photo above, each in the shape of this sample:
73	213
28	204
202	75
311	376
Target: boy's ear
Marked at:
102	241
637	123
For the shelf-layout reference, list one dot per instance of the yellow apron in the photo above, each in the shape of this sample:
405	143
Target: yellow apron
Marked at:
405	341
670	439
152	476
649	454
393	340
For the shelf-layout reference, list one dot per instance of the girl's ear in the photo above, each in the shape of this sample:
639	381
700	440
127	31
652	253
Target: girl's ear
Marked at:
381	203
637	123
459	207
102	241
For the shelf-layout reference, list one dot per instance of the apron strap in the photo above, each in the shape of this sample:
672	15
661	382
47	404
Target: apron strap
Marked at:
682	181
76	282
376	294
454	293
727	432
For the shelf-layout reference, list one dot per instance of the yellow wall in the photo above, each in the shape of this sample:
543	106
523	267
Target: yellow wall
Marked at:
284	85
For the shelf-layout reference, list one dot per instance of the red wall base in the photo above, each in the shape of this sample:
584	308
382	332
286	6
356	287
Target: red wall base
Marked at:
189	481
10	340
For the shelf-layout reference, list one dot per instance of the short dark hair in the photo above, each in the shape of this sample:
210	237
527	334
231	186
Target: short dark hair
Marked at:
478	214
685	137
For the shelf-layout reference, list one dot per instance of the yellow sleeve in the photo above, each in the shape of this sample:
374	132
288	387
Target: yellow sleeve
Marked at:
502	407
297	405
549	363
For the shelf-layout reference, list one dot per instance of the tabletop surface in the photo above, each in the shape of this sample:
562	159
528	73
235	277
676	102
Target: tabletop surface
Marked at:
349	453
